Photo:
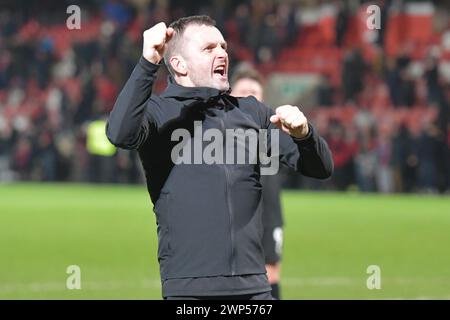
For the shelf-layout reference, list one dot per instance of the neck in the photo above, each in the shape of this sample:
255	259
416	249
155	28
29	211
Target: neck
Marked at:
184	81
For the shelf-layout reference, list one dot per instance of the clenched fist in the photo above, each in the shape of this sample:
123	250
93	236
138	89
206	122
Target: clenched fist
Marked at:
155	42
291	120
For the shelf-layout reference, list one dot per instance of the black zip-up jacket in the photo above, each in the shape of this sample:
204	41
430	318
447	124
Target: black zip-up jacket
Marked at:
208	215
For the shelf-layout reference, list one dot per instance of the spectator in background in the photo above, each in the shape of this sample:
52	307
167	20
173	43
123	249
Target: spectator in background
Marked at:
83	112
6	137
353	72
404	58
269	43
6	146
384	14
287	23
342	18
384	176
427	152
406	86
443	105
246	81
118	12
325	92
404	161
407	89
5	68
128	169
47	156
22	158
43	61
392	78
399	80
365	163
365	156
431	77
242	19
442	124
101	152
342	152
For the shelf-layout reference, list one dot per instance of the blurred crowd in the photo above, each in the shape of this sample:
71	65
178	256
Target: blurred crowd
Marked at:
386	123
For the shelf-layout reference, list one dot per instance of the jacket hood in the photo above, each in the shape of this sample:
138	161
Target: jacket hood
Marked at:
176	91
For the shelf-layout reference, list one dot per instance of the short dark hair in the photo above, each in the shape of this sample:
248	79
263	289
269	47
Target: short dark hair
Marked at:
246	71
179	27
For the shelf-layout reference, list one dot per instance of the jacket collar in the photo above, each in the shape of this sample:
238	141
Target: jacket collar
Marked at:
174	90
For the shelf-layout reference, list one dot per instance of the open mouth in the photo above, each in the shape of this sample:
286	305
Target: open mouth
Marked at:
220	70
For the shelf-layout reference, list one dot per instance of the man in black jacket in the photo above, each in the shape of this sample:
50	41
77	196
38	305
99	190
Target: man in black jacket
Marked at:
208	210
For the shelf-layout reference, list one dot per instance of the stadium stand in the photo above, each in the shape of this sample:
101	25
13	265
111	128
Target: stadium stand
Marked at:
385	93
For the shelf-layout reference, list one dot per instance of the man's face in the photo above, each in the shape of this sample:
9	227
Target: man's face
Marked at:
248	87
204	50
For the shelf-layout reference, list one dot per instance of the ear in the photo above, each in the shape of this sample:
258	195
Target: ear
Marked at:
178	64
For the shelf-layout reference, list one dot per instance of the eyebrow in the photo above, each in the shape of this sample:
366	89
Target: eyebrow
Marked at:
214	44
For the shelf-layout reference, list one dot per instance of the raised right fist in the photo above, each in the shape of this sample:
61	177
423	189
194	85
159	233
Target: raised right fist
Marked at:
155	42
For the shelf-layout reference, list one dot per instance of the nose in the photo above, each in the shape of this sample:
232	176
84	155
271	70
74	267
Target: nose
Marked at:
221	52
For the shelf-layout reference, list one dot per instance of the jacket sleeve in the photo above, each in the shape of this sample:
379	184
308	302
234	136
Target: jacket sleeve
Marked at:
309	156
130	121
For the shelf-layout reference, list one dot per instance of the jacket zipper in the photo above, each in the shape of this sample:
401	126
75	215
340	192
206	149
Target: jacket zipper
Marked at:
229	203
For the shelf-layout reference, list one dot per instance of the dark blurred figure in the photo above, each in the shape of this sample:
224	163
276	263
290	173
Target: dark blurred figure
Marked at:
384	174
269	43
342	22
353	72
384	14
287	23
342	152
392	78
406	82
6	69
405	160
242	19
47	156
428	146
399	80
128	167
407	89
44	60
366	160
325	92
22	158
431	78
443	141
6	147
84	109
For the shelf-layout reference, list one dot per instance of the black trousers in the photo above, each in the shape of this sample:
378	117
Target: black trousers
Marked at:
254	296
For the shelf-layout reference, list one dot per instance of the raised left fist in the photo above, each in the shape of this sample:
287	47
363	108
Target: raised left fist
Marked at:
291	120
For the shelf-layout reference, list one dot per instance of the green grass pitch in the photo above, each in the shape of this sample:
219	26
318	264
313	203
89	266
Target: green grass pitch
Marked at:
330	240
